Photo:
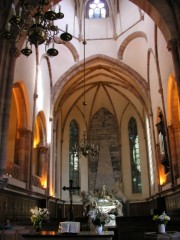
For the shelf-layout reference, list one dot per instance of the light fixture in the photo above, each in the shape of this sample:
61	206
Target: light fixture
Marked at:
37	25
85	148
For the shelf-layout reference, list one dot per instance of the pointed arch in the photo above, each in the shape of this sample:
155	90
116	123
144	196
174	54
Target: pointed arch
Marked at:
70	46
40	130
40	150
73	156
19	134
173	122
127	40
173	112
22	104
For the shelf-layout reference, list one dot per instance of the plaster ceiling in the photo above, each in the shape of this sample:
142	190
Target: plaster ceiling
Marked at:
108	83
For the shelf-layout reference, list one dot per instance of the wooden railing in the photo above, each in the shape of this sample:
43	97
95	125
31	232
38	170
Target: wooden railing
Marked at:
13	170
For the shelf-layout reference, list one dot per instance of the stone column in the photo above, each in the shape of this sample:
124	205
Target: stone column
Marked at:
174	135
42	160
6	78
23	151
173	46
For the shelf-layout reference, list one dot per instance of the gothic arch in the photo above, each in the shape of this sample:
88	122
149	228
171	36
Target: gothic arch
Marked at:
40	130
22	105
70	46
100	60
18	133
173	112
127	40
40	152
162	14
149	53
173	120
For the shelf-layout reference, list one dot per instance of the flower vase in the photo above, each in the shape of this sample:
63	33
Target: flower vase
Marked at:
161	228
38	226
99	229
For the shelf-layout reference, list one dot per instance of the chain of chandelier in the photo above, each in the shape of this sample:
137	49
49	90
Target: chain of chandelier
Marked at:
85	148
37	25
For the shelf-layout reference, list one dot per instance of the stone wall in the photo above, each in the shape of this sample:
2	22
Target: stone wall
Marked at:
104	168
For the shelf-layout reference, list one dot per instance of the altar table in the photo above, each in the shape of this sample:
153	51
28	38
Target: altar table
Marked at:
165	236
84	235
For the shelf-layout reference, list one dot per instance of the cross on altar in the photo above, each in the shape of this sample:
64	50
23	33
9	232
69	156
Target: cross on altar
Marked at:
70	189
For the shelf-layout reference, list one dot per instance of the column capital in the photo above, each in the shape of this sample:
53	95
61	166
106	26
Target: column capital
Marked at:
43	149
24	132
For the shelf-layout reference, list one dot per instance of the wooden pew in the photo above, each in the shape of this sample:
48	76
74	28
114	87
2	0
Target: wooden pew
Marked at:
132	228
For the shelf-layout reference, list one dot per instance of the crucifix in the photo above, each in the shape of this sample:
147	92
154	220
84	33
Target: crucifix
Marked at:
70	189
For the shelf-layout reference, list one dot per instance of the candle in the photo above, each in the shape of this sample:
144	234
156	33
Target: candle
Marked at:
59	8
20	11
13	7
9	25
66	27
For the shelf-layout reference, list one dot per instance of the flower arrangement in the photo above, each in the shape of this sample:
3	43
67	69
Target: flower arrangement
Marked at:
38	215
98	218
161	219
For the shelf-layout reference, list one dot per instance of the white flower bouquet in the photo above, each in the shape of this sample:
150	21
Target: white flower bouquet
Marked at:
38	215
161	219
98	218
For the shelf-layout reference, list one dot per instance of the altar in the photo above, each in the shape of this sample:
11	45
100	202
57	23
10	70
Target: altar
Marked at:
83	235
105	202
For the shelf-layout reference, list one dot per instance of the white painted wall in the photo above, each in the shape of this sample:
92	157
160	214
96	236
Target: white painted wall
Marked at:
135	56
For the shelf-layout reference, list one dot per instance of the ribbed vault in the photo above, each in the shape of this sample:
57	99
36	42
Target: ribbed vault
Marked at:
108	83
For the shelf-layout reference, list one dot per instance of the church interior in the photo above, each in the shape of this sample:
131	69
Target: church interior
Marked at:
89	102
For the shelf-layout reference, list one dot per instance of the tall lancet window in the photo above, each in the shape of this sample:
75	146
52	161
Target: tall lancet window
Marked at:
135	156
73	156
97	9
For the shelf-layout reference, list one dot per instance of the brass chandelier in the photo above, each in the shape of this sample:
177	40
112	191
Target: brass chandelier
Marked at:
37	25
85	148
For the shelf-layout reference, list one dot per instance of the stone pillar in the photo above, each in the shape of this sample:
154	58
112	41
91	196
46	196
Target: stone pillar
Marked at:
9	56
42	161
23	151
174	135
173	46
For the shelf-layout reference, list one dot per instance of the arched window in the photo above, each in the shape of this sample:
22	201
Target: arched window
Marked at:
134	156
150	151
97	9
73	156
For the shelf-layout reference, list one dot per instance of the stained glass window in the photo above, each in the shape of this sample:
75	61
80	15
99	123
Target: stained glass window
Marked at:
97	9
134	156
73	157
